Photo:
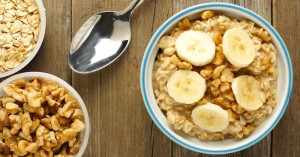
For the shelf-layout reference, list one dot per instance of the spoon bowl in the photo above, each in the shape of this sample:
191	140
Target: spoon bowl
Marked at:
101	40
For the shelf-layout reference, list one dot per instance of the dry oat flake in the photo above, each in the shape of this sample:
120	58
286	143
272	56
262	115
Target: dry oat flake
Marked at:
19	31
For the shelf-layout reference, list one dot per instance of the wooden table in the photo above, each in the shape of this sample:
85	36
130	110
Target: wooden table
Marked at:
120	124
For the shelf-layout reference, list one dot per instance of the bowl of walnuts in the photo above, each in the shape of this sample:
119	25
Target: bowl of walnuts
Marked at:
23	26
41	115
216	78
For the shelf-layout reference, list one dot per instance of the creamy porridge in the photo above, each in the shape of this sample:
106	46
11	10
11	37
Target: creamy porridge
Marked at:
215	77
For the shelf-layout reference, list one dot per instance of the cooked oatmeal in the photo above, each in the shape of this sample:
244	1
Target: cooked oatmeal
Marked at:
219	75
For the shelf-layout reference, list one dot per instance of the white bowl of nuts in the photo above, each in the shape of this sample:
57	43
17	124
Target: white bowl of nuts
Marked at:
23	26
216	78
41	115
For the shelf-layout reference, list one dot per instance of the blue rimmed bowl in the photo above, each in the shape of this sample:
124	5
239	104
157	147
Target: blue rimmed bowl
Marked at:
284	82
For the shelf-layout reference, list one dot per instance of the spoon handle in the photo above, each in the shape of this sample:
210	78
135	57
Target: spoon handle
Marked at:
134	4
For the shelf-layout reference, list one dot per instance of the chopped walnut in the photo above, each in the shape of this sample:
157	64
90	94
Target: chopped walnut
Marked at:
184	24
37	117
207	14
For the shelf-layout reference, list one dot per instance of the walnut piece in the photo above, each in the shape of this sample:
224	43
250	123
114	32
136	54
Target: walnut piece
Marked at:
37	118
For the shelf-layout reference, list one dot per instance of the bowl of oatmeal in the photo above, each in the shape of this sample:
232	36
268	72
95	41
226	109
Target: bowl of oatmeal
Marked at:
23	25
211	77
41	115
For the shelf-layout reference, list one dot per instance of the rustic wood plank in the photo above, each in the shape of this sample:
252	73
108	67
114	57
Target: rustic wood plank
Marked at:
161	145
120	123
286	135
263	8
52	57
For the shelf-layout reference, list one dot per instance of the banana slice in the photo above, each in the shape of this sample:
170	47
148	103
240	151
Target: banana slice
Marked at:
247	91
186	86
210	117
195	47
238	48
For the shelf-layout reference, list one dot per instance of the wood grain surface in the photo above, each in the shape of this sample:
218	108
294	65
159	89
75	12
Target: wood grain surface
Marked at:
120	124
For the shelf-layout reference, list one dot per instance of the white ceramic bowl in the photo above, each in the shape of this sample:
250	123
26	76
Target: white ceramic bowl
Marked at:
42	11
29	75
284	88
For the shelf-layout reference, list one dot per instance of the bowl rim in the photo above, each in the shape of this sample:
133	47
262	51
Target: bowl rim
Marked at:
42	12
177	17
63	83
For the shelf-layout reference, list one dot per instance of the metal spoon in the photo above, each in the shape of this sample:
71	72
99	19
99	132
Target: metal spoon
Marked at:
101	40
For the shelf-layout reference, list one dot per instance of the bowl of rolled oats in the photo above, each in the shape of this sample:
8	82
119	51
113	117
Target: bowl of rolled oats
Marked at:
23	26
216	78
41	115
